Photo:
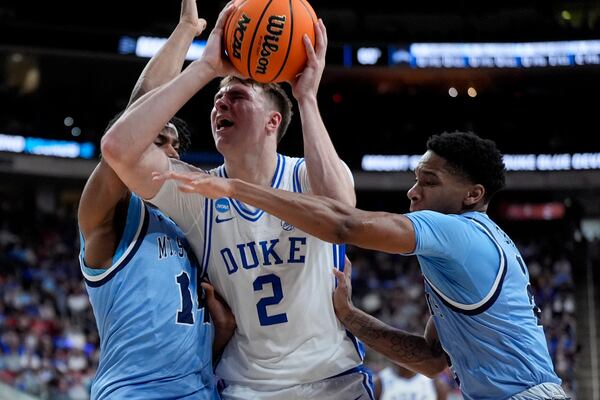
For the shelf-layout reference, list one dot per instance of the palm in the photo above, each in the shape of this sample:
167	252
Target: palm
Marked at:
213	54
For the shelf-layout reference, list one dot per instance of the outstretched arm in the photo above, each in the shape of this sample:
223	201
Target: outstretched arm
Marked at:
327	174
325	218
422	354
104	191
167	63
128	145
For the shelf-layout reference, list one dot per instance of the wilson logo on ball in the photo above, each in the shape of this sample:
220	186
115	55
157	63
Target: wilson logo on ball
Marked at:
269	42
263	38
238	35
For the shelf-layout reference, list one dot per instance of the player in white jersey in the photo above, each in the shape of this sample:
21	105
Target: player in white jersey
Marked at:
277	280
399	383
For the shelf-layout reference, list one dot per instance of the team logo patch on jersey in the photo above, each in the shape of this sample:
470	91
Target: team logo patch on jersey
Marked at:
287	227
222	205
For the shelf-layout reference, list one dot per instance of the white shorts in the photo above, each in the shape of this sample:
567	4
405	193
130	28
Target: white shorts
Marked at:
544	391
355	384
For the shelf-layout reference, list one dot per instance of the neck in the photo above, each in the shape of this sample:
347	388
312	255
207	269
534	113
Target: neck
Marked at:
253	167
479	207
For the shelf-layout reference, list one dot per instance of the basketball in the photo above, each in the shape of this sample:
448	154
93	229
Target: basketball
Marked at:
263	38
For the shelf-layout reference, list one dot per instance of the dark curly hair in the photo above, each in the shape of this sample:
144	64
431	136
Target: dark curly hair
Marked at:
276	94
472	157
183	131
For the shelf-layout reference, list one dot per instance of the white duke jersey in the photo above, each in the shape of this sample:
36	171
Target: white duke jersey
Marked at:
276	279
396	387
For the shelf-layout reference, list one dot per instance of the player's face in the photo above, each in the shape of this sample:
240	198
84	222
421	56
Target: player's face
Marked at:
168	141
239	116
436	188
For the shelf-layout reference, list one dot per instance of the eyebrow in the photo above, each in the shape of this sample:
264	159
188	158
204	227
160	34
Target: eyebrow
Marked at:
235	91
425	172
163	137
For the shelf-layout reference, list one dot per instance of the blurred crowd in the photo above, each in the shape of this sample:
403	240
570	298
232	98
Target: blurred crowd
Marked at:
49	344
48	338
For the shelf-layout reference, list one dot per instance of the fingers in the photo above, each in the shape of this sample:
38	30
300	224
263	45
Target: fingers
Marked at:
310	51
188	7
179	176
341	278
186	188
347	262
208	289
201	25
320	39
225	13
347	267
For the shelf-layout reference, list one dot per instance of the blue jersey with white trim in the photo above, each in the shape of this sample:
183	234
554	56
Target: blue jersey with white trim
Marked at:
155	340
478	291
277	280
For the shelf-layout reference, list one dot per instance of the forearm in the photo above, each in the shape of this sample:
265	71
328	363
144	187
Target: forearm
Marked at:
222	337
167	63
326	172
329	219
319	216
128	139
409	350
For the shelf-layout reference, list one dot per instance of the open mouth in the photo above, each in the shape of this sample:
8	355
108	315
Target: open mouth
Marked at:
224	123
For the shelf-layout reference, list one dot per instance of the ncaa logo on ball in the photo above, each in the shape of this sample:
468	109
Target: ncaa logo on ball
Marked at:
222	205
238	35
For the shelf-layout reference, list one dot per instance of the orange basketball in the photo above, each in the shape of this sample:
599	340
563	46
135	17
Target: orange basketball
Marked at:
263	38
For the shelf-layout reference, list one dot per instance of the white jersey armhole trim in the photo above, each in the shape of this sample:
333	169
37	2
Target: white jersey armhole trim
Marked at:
97	278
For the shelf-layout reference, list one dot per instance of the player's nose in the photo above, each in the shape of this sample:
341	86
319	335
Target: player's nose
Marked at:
222	104
413	193
171	151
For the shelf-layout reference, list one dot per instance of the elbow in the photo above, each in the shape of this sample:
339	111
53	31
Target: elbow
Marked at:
111	148
436	367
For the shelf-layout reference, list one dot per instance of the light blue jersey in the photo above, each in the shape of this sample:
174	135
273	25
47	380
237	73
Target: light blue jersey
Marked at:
155	341
482	304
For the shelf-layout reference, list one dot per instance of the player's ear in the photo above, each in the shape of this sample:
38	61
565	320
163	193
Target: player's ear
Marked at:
474	195
273	122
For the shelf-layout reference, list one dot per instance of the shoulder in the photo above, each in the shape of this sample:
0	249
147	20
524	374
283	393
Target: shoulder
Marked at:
434	218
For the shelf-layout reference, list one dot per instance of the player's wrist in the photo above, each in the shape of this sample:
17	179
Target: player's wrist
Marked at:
306	100
205	68
345	312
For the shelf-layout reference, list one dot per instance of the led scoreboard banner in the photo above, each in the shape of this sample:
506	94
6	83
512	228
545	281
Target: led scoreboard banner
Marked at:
425	55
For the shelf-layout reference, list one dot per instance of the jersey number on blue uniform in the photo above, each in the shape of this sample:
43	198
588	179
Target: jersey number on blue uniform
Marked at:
185	316
261	306
537	312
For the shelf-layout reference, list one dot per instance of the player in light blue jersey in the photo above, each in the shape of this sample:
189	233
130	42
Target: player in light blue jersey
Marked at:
143	278
476	282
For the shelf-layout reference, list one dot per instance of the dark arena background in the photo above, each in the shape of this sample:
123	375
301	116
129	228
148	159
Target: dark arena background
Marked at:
523	73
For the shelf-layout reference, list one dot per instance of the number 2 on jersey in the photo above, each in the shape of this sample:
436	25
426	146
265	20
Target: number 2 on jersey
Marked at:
261	306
